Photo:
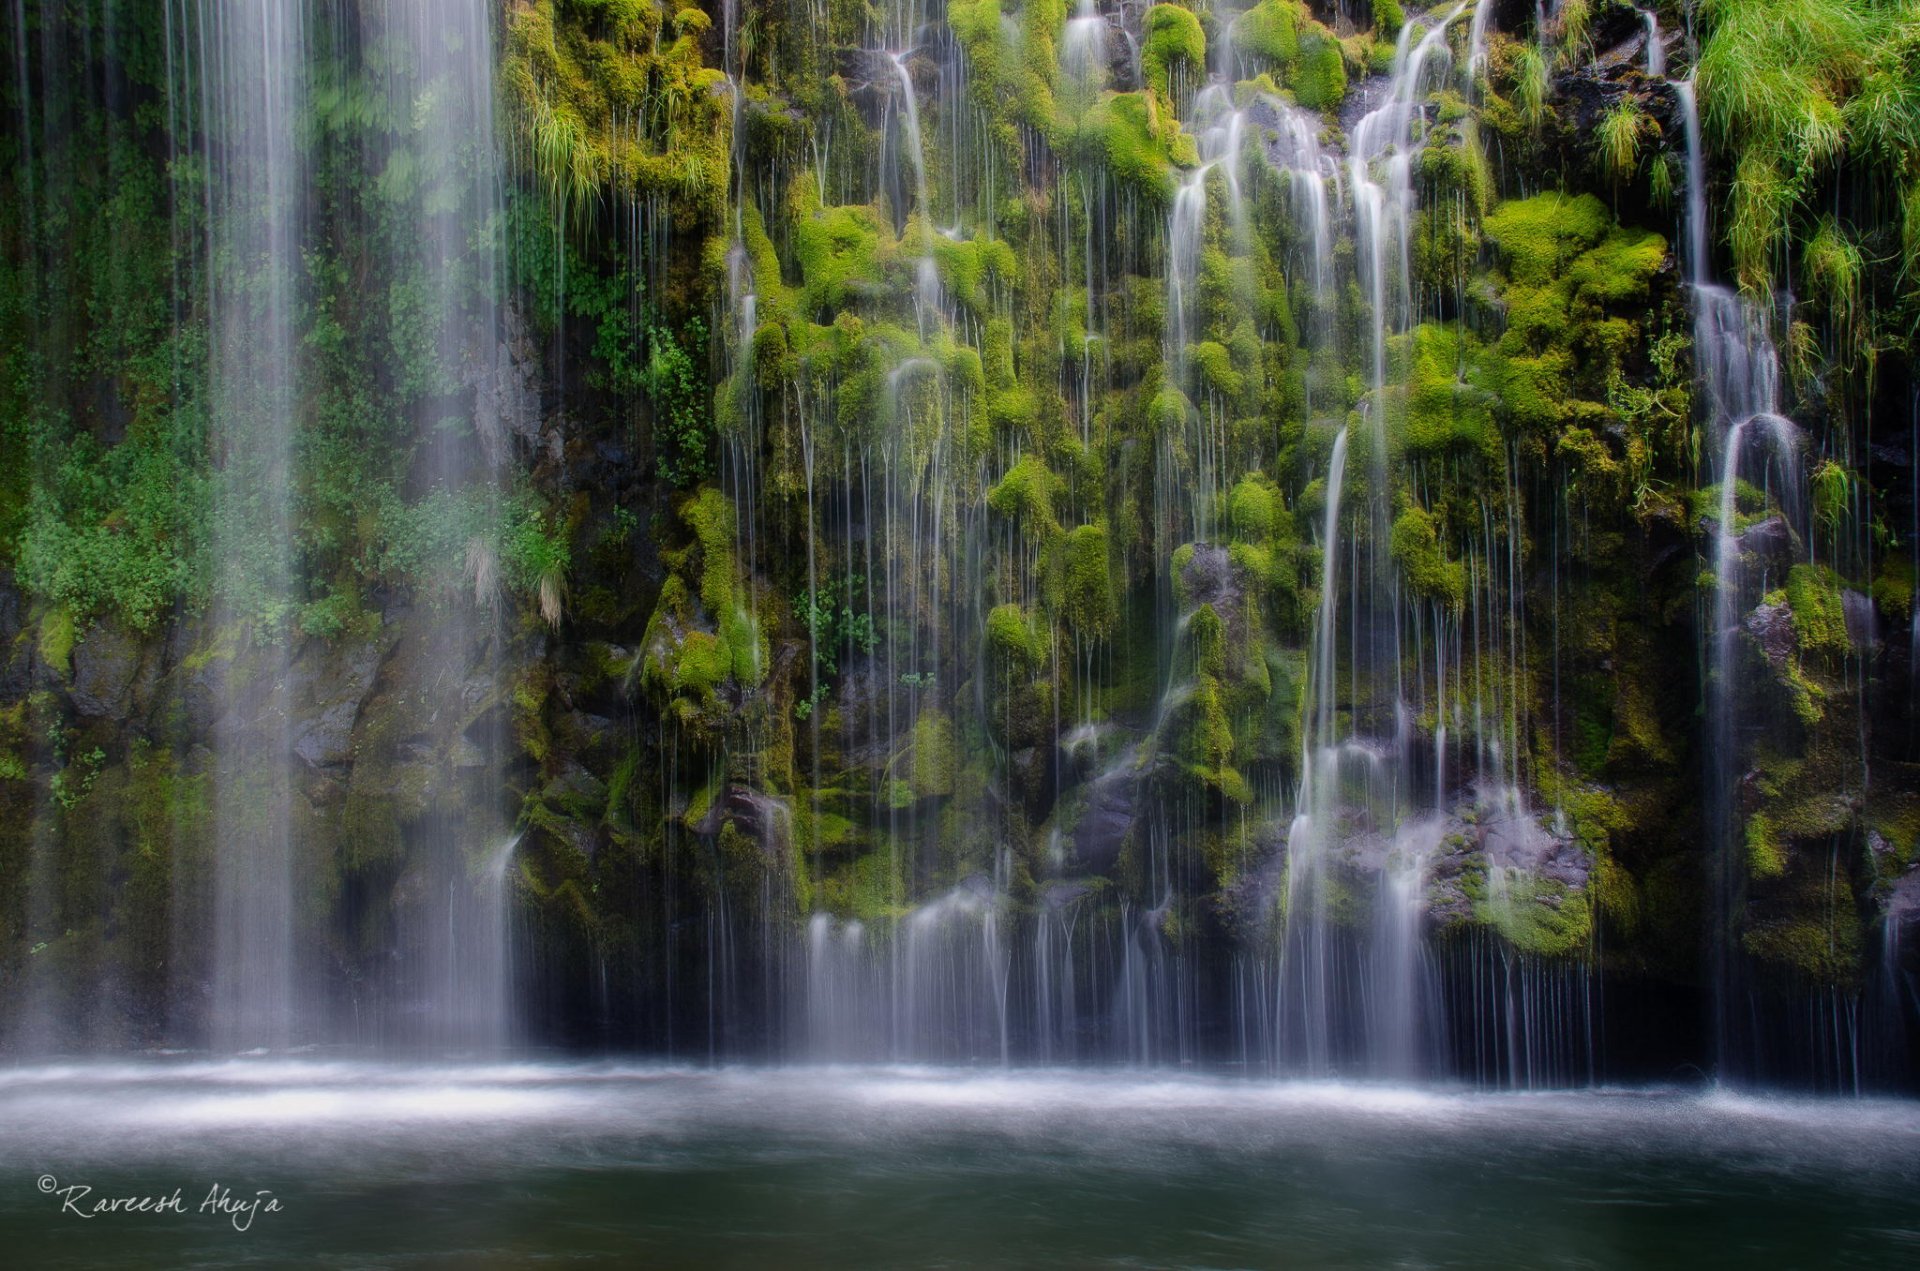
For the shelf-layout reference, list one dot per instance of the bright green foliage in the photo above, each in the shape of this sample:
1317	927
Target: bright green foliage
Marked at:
1388	18
1538	915
623	98
1319	78
1619	138
1026	494
1269	32
702	635
837	618
1423	565
1087	600
1819	617
839	253
1014	639
1174	43
1571	279
682	416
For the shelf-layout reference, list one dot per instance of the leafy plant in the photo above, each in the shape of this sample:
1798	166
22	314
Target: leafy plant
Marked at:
682	403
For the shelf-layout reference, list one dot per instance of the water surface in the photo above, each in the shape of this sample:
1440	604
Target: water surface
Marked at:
505	1165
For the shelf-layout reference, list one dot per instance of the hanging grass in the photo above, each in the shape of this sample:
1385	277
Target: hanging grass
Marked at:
1619	139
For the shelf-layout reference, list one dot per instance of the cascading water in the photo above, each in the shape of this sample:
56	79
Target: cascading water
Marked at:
1739	378
253	86
445	85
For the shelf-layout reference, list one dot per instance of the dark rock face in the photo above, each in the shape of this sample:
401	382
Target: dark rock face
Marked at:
105	665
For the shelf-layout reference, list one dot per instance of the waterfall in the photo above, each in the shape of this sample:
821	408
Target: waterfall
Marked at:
1306	986
253	84
1656	47
447	87
926	296
1738	374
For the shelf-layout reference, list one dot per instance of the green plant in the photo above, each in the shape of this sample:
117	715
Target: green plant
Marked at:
682	403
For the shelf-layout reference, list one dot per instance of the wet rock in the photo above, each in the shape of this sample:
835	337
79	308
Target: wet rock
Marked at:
105	663
1771	626
1107	816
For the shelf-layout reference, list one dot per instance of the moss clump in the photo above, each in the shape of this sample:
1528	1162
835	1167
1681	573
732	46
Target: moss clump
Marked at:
702	635
1319	78
970	269
1446	406
1766	855
1542	235
1571	277
936	757
838	250
1819	616
1123	132
1269	32
1541	916
1388	18
1255	512
1025	494
1087	601
1174	42
1014	639
1423	566
57	635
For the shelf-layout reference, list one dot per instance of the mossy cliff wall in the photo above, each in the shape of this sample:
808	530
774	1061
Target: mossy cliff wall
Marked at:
882	529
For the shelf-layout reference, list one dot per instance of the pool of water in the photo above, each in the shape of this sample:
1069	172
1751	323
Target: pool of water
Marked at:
503	1165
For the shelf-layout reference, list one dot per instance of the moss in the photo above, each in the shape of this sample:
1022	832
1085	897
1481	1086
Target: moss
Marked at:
1025	494
865	889
1215	367
1319	78
936	757
1174	44
1255	511
1087	594
1446	406
1893	588
839	254
1540	916
1121	131
1423	566
1819	615
1269	31
1540	236
1766	856
1013	638
970	268
57	634
1388	18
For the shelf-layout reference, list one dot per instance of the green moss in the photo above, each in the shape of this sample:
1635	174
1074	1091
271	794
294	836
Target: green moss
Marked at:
1540	236
1122	131
1446	407
1388	18
1255	512
1026	494
1013	638
1269	31
839	254
1087	601
1540	916
1174	43
1319	78
1819	615
1766	856
1893	588
1423	566
936	756
971	268
57	635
